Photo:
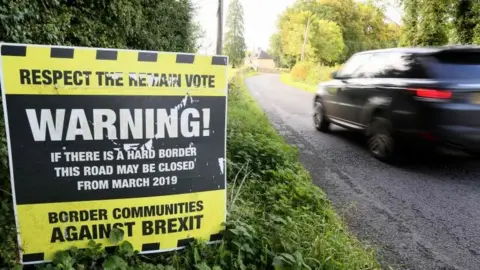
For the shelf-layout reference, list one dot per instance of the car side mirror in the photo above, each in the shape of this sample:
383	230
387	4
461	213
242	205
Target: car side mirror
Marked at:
335	75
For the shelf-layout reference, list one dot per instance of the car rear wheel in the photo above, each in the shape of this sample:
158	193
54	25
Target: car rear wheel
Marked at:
319	119
381	143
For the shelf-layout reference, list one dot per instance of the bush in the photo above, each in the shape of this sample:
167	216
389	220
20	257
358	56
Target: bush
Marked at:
311	74
319	73
300	71
137	24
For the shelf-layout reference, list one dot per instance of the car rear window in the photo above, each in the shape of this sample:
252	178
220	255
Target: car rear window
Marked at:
455	65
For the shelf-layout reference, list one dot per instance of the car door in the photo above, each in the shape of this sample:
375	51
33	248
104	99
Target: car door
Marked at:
374	85
353	97
335	101
361	87
350	86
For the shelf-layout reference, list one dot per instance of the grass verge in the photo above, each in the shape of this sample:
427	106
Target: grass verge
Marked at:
252	73
287	79
277	219
289	216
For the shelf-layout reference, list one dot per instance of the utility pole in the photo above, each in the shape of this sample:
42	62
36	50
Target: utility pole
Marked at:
305	36
220	27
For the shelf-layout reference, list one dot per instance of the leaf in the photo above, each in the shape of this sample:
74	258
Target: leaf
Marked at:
289	257
115	263
64	259
126	248
116	235
196	255
278	263
202	266
91	244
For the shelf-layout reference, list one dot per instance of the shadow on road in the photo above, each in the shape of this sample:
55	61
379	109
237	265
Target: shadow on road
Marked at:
418	161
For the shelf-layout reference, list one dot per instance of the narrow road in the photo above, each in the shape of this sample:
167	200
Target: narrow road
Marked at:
421	215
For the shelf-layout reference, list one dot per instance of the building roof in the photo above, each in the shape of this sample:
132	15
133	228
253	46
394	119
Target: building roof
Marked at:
263	55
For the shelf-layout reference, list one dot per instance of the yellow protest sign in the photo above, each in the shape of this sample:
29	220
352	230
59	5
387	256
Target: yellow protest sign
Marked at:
101	139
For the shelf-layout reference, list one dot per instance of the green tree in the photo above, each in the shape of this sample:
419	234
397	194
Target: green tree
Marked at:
234	39
376	32
293	25
432	29
465	22
363	26
137	24
345	14
276	51
410	21
438	22
326	41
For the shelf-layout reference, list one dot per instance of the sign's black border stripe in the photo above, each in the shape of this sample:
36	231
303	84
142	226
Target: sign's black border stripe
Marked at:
33	257
150	246
107	55
147	57
219	60
185	242
110	249
217	236
12	50
61	53
185	58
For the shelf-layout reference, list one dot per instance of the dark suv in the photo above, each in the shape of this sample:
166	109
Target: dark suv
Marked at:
406	97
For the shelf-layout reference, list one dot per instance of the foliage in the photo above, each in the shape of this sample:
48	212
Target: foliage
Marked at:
8	239
286	78
306	76
320	73
292	32
276	51
410	20
338	29
329	47
438	22
276	217
465	22
300	71
139	24
8	236
234	40
325	42
432	29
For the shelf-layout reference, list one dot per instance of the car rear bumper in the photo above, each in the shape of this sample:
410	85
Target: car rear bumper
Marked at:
463	138
449	138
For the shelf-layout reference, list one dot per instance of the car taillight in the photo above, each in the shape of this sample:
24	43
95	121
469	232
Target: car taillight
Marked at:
432	93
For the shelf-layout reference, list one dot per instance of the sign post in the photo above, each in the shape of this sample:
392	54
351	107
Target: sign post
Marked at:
101	139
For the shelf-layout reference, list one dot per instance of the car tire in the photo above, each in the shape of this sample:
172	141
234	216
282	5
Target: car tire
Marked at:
320	120
381	143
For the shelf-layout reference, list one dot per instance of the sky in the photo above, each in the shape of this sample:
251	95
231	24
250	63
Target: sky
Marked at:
260	20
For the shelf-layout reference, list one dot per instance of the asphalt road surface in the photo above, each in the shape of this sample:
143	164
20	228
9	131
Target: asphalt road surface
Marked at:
424	214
